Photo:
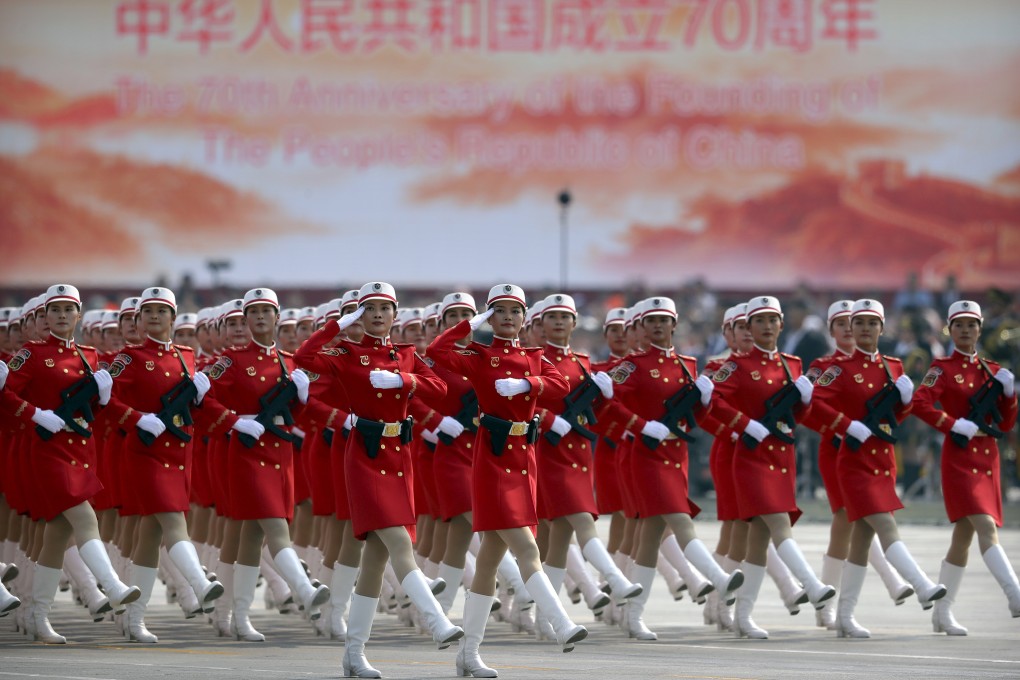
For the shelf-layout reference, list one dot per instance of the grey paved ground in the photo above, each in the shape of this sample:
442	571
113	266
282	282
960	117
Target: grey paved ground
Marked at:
902	646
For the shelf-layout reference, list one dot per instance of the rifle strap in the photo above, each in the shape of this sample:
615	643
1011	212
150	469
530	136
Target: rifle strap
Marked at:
786	367
985	367
84	363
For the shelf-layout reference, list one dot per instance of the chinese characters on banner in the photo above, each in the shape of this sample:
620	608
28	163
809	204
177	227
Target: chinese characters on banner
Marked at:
498	26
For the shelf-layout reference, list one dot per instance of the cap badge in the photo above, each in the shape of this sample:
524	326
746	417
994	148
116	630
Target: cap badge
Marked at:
764	300
507	289
657	302
258	292
867	303
60	289
966	305
377	286
457	296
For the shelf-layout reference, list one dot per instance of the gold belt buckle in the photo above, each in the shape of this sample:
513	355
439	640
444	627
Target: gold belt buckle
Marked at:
783	427
391	430
178	420
885	428
519	429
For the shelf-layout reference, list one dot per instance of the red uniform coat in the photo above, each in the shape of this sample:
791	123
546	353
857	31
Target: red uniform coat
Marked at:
608	488
63	467
566	471
829	446
451	463
106	436
720	458
201	484
642	382
261	479
158	476
764	478
426	494
970	475
502	483
867	476
322	414
380	488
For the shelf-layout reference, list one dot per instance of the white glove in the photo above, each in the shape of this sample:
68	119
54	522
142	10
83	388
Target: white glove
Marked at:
151	424
858	431
604	382
349	319
297	431
705	386
805	387
478	319
252	428
430	436
1003	375
655	430
965	427
349	421
48	420
508	387
560	426
906	388
301	382
201	381
386	380
756	430
4	370
105	383
734	436
450	426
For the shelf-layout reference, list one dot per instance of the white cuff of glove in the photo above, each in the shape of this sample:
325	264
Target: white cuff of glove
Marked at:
858	431
104	382
605	383
705	386
560	426
756	430
1006	377
201	381
430	436
301	382
349	421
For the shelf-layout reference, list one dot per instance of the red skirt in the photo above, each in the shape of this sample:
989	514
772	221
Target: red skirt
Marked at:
867	479
302	487
107	499
451	467
608	494
566	477
626	476
663	479
720	464
201	485
503	487
261	482
827	460
64	471
218	463
320	472
381	489
158	474
970	479
338	454
17	486
765	479
425	496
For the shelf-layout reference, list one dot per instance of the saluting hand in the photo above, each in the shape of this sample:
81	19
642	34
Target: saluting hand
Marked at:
349	319
478	319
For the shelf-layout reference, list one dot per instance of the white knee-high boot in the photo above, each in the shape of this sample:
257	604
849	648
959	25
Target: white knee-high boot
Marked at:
817	591
476	613
903	561
997	563
144	578
8	602
289	566
832	575
697	585
359	628
222	614
899	590
849	592
245	581
942	619
697	553
620	588
567	632
594	598
743	625
185	557
93	553
97	603
635	607
44	588
792	594
452	576
340	589
418	589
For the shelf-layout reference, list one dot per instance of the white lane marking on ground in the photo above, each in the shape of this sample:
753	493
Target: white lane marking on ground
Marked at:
22	674
862	654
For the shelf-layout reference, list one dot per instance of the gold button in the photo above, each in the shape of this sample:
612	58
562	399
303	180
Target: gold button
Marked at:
527	398
378	395
665	380
989	473
876	472
167	444
584	468
277	466
975	449
276	361
771	447
468	445
183	445
60	350
573	465
465	378
785	382
83	442
180	467
262	378
570	446
524	446
175	355
86	466
986	452
159	354
508	470
70	441
865	364
506	351
584	446
262	463
772	467
872	451
870	385
524	472
764	363
382	446
74	462
276	445
400	474
166	465
509	373
83	373
397	395
396	448
784	471
527	374
382	471
262	444
260	357
975	471
510	398
665	462
886	473
65	370
769	381
559	358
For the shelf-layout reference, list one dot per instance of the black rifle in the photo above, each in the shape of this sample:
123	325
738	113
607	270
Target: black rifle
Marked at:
75	399
984	404
176	404
679	408
881	411
579	411
275	402
778	410
465	416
